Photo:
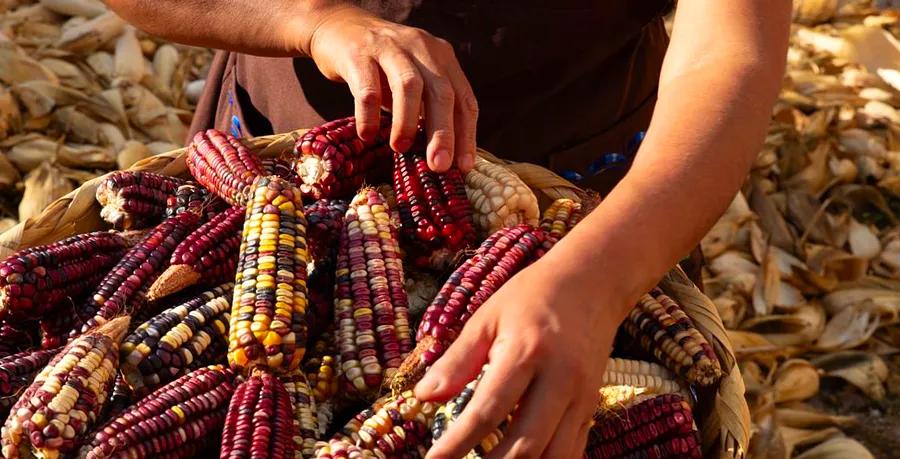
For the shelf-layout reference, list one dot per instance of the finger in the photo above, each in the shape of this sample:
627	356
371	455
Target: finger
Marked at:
578	448
503	383
460	364
363	77
564	443
439	98
465	119
539	414
406	85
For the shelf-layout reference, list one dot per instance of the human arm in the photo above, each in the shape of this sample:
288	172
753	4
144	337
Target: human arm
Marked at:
548	332
383	63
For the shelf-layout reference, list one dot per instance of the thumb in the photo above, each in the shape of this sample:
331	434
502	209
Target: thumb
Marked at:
460	364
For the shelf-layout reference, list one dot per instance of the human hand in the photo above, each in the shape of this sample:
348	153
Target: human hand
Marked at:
407	69
547	342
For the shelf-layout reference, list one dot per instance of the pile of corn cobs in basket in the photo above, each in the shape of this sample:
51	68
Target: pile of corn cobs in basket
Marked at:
266	309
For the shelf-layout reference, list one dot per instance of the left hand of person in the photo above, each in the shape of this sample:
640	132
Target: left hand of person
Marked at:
547	338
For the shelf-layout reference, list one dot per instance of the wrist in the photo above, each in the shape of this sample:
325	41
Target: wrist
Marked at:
298	30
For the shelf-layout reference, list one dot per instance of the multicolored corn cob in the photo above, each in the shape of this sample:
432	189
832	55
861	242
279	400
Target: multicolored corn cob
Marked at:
175	421
281	168
120	398
259	420
653	427
207	256
13	340
268	313
499	197
662	328
498	258
397	427
320	368
624	380
191	197
324	218
124	287
34	282
306	424
332	161
17	371
435	214
66	397
223	164
449	412
373	334
133	199
561	217
176	340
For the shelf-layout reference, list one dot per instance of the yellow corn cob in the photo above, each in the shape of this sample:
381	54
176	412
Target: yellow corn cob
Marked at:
268	313
499	197
66	397
625	379
561	217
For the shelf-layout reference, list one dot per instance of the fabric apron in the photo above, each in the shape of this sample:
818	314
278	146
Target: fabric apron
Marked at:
563	84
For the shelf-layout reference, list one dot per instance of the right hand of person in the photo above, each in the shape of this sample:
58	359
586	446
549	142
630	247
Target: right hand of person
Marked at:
406	69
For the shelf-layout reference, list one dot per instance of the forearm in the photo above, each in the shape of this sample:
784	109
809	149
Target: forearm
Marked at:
266	28
708	125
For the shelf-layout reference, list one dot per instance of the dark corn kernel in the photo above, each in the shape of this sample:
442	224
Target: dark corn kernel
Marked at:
191	197
17	371
134	199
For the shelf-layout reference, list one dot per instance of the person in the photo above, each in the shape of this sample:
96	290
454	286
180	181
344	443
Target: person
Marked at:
553	83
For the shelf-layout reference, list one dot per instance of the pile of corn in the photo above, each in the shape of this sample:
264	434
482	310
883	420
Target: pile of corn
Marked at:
804	267
82	93
216	315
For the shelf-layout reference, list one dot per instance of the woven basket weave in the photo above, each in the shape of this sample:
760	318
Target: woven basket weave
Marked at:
722	413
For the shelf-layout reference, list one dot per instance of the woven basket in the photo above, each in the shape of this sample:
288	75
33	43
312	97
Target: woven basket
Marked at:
722	413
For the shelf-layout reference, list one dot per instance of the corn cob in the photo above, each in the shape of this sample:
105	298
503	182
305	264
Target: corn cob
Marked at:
258	423
624	380
320	368
398	427
133	199
498	258
657	426
499	197
66	397
663	329
449	412
223	164
194	198
325	218
333	162
373	334
561	217
13	340
435	214
124	287
281	168
268	313
17	371
165	347
36	281
173	422
55	329
120	398
303	405
207	256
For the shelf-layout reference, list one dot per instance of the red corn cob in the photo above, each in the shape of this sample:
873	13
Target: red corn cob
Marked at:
36	281
656	427
133	199
373	333
325	218
176	421
207	256
332	161
125	285
13	340
500	257
223	165
17	371
55	328
435	212
259	420
194	198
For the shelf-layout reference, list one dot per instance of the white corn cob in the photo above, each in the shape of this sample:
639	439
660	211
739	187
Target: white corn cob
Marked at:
499	197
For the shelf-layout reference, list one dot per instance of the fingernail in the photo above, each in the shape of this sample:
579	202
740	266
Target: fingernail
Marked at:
441	159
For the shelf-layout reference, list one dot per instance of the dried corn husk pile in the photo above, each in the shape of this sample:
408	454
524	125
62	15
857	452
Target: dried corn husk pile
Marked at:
81	93
805	265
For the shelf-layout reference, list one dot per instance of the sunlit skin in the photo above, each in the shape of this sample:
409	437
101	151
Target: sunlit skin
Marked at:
547	332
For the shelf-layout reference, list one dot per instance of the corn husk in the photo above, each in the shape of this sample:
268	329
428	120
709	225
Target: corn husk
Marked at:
42	186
